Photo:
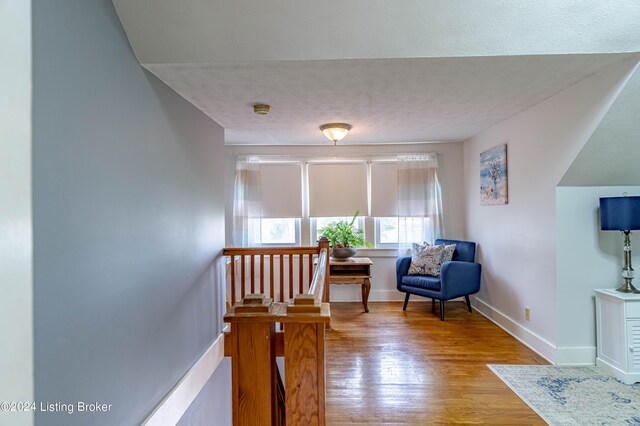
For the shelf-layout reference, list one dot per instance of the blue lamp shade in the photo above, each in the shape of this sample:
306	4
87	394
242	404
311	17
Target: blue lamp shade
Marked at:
619	213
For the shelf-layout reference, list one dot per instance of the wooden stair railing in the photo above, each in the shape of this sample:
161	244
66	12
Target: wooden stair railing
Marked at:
270	271
253	345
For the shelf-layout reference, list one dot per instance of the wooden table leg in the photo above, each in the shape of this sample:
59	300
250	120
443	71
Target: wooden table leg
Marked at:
366	288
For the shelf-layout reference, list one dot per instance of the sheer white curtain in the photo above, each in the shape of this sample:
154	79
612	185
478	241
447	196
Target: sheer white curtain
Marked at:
247	200
419	199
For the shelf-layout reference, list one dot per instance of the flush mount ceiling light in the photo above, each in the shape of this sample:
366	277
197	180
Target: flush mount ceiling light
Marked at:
335	131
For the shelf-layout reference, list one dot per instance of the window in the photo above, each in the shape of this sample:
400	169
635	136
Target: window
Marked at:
318	223
277	201
267	203
281	205
394	230
275	231
406	200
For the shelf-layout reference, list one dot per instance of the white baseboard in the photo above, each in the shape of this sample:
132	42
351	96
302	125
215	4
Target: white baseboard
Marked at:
528	338
176	403
576	355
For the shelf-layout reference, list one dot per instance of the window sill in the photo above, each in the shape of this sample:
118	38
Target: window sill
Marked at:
377	252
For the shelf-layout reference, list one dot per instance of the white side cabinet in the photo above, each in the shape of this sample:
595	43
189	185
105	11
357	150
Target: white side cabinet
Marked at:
618	334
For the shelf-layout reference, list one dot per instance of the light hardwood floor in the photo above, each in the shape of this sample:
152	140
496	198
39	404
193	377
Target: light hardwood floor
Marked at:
393	367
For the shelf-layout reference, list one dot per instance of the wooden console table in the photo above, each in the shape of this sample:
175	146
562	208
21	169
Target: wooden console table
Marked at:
355	270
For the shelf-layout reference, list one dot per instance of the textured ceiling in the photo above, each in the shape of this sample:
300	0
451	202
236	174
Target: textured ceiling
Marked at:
386	100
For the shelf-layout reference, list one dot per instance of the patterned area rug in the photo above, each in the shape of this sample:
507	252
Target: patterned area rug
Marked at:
573	395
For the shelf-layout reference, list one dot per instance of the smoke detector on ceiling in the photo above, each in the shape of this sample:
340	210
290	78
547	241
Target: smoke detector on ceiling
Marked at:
262	109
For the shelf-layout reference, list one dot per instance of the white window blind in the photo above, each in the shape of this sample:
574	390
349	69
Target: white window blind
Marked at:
281	189
338	189
384	189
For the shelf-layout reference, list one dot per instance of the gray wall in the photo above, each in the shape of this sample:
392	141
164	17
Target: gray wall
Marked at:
128	221
212	405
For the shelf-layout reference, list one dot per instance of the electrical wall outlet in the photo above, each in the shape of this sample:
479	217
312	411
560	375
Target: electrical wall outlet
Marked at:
527	314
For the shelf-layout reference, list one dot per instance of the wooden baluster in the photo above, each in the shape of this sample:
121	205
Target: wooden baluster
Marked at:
310	269
242	276
301	273
233	280
272	294
323	244
253	275
281	278
281	282
290	276
262	274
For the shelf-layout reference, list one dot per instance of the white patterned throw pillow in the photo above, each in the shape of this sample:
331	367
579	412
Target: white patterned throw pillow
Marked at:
426	261
447	253
416	249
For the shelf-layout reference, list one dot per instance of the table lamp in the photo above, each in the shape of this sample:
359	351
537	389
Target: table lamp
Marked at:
622	214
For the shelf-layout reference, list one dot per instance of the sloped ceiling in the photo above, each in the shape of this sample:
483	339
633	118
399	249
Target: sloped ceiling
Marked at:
397	71
611	156
204	31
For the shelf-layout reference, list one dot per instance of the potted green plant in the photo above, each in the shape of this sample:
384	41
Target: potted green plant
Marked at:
344	237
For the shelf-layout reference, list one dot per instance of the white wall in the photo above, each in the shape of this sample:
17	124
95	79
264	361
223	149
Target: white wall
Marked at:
588	258
383	284
517	241
16	251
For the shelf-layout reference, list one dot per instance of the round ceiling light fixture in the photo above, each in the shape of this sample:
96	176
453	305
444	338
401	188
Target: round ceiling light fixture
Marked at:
261	109
335	131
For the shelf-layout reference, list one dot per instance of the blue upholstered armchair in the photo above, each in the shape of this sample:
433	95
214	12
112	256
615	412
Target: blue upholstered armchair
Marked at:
459	277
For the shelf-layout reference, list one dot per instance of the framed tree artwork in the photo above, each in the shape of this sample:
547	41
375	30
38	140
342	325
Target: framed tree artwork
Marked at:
493	176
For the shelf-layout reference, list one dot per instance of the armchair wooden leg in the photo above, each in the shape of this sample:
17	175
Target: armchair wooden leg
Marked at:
442	310
433	306
406	300
468	303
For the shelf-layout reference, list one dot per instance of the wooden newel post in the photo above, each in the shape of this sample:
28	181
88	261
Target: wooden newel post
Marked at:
253	361
252	347
304	361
